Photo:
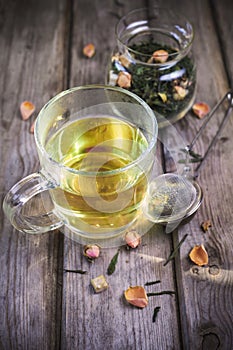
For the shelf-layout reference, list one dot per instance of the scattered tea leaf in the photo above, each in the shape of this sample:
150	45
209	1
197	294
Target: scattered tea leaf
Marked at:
175	251
170	292
156	310
76	271
191	153
113	262
192	160
206	225
152	282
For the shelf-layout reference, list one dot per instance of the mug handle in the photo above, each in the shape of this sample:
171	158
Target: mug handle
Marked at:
29	207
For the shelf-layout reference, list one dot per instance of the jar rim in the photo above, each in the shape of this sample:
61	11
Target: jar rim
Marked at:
175	56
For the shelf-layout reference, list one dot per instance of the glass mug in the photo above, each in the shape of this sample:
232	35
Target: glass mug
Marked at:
96	146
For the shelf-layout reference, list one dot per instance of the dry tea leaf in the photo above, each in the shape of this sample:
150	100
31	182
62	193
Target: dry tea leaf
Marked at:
26	109
199	255
136	296
206	225
89	50
201	109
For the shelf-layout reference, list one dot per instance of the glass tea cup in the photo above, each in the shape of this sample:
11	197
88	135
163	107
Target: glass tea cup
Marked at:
96	146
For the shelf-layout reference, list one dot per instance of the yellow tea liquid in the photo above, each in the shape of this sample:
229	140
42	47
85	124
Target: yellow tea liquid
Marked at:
101	196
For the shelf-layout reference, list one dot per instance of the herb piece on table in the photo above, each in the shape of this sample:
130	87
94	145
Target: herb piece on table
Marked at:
27	108
192	153
113	262
99	283
175	251
199	255
81	272
156	310
152	282
170	292
206	225
201	109
136	296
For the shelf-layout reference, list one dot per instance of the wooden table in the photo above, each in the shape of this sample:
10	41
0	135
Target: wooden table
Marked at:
41	305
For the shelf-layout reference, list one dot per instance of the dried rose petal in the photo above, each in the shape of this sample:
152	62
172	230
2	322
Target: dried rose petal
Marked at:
133	239
92	251
136	296
206	225
26	109
160	56
199	255
89	50
201	109
124	79
163	96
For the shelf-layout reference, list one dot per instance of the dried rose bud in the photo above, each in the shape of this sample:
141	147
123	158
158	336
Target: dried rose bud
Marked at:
199	255
124	80
27	108
160	56
32	128
91	251
206	225
89	50
201	109
180	92
124	61
136	296
99	283
133	239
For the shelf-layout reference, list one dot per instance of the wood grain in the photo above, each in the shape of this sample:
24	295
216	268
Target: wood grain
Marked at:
42	305
107	317
205	293
32	68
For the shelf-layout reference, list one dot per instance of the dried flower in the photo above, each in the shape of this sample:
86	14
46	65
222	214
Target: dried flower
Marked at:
201	109
89	50
124	79
27	108
163	96
133	239
91	251
180	93
206	225
124	61
32	128
160	56
199	255
99	283
136	296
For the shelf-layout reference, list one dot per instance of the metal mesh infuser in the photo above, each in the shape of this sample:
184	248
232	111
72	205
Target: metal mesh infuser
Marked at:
172	197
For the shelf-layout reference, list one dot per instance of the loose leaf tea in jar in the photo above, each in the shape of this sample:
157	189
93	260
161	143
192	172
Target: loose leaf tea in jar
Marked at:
153	60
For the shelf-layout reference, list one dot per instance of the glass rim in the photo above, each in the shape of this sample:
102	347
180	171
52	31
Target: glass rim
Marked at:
57	97
180	16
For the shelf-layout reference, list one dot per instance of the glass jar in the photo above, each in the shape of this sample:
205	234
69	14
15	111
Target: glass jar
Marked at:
153	59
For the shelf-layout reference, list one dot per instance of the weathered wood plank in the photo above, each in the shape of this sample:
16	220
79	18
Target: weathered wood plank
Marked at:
205	293
32	62
92	321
